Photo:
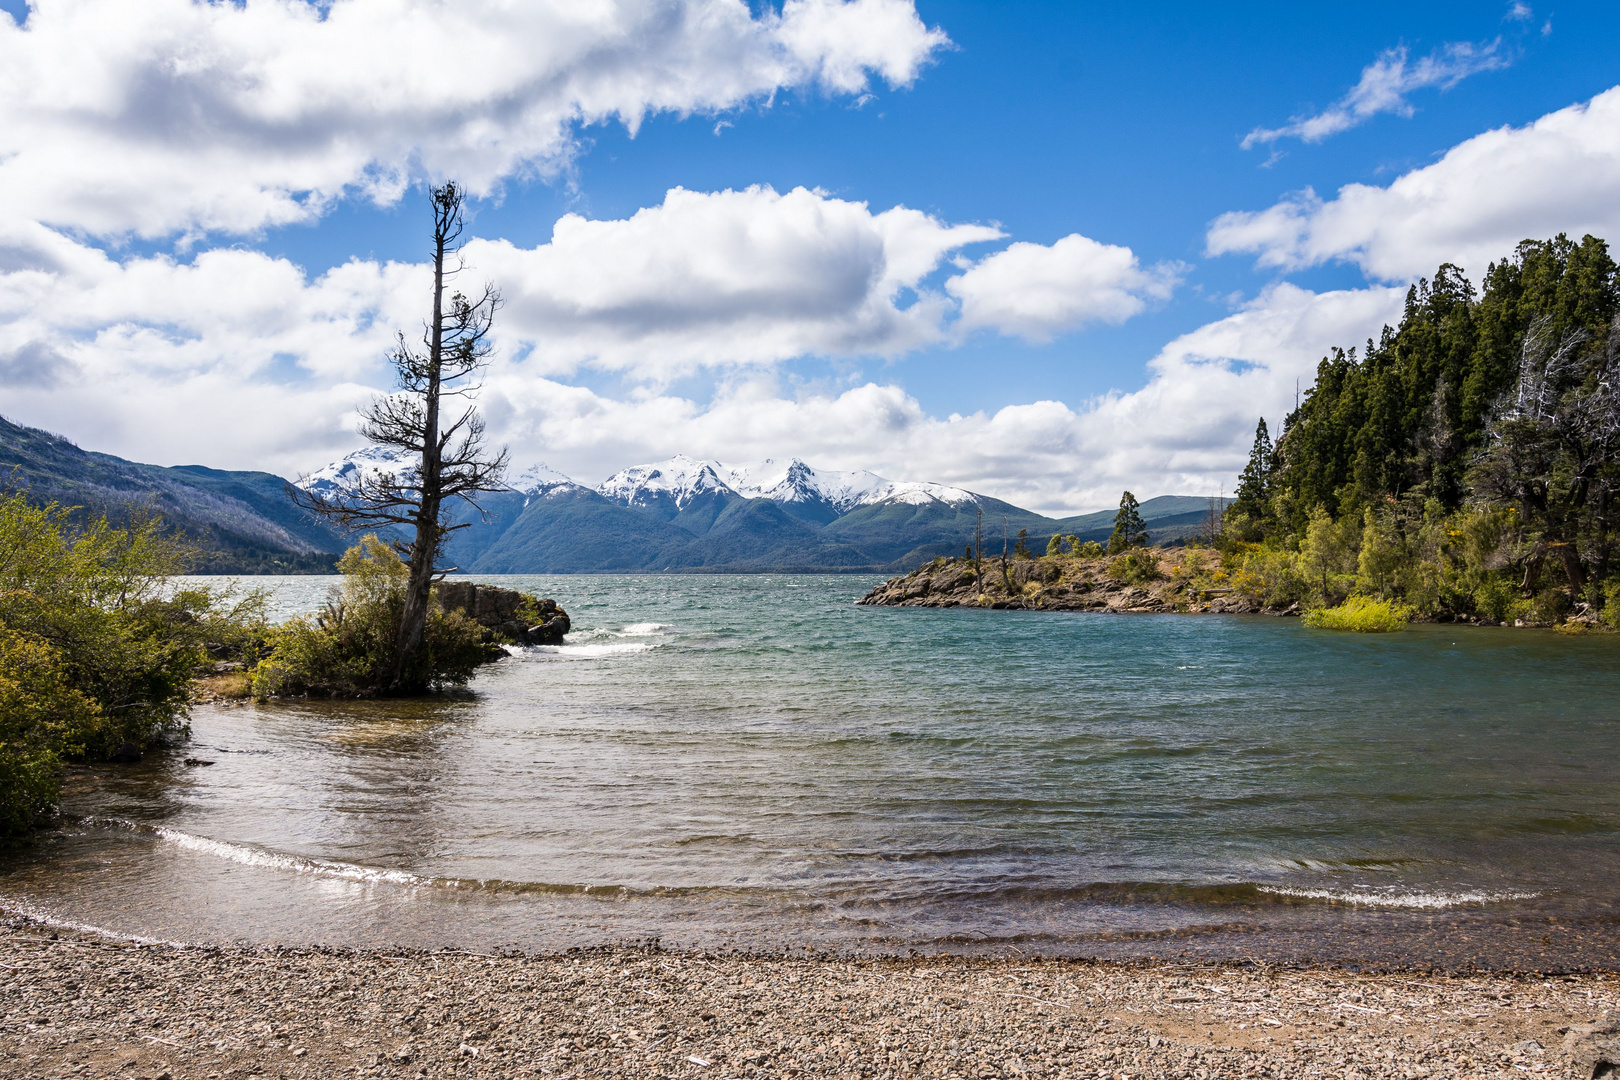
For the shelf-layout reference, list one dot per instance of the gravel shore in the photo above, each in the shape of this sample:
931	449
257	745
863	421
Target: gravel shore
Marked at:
75	1005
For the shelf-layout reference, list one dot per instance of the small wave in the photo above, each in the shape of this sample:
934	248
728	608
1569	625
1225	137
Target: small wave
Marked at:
1391	899
643	629
596	651
248	855
251	855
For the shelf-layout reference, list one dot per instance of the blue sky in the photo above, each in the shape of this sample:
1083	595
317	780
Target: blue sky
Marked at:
1045	119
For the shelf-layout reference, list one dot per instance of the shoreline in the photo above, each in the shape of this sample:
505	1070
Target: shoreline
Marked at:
119	1009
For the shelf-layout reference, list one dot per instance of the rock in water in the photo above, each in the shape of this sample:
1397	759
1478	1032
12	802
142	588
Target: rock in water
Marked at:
127	753
1594	1049
505	613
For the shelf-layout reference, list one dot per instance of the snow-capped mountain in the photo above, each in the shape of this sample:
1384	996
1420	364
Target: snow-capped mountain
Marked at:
794	481
344	474
668	486
537	478
671	485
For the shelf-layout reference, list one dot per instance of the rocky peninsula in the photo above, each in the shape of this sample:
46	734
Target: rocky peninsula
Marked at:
1144	580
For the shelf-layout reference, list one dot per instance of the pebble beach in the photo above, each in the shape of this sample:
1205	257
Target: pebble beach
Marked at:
79	1005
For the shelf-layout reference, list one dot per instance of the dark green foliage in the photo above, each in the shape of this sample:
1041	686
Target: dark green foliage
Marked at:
1411	414
1254	486
347	650
1129	530
1021	547
1468	446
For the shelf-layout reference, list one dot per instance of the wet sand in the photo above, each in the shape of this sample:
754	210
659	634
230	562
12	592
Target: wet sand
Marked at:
79	1005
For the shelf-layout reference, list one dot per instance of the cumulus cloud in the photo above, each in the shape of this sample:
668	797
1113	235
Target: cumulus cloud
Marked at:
237	360
1186	431
1036	292
247	356
1558	174
724	278
1383	87
176	115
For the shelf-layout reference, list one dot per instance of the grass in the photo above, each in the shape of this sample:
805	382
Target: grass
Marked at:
1361	614
232	686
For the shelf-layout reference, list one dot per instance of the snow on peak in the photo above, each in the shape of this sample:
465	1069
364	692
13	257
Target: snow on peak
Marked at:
795	481
344	474
917	494
679	478
782	480
537	478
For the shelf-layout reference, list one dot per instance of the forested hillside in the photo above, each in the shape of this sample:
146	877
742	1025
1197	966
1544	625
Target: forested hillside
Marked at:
1466	462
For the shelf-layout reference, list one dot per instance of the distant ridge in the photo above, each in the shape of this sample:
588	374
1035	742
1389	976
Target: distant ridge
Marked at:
680	515
244	521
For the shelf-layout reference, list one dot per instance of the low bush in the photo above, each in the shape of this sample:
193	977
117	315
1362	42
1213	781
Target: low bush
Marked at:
97	646
1088	550
348	648
1137	567
1361	614
42	720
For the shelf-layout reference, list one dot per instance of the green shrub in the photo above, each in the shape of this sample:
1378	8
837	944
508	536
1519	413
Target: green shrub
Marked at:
42	720
103	600
348	648
1088	550
1136	568
1362	614
97	645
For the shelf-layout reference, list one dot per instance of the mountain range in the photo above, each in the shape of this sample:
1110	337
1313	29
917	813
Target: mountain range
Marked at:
679	515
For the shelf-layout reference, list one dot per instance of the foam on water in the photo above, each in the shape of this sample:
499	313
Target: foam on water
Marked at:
1394	898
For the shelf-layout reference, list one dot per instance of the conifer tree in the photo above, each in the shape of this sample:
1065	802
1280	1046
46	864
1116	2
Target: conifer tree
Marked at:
1129	529
1021	548
449	459
1254	486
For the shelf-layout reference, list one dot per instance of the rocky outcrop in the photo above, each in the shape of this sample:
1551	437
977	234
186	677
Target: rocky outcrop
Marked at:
1594	1049
1148	581
506	614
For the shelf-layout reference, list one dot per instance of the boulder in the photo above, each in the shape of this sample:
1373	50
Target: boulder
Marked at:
504	613
1594	1049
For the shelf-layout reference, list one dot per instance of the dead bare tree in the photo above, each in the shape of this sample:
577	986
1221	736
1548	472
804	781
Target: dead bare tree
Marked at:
452	462
1554	450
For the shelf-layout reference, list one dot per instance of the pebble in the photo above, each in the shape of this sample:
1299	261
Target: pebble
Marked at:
80	1005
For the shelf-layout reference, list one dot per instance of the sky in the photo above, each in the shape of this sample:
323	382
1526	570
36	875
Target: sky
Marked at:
1045	251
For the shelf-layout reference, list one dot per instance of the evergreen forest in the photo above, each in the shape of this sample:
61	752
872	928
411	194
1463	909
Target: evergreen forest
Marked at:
1465	464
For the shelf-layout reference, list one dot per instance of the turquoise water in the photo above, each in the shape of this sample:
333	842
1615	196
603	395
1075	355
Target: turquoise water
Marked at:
756	762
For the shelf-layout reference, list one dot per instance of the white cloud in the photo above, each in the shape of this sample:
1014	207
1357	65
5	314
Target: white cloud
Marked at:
1558	174
1383	87
1187	431
242	360
1037	292
724	278
174	115
236	360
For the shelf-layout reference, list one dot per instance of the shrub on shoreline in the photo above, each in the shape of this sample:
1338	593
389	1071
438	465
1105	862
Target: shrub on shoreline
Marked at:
348	648
1361	614
97	649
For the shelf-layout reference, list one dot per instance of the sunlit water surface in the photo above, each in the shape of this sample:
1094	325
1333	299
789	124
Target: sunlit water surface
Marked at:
754	762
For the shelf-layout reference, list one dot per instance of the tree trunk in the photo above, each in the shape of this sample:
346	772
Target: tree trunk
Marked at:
425	545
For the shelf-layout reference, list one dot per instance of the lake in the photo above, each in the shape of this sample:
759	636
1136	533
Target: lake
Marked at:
753	762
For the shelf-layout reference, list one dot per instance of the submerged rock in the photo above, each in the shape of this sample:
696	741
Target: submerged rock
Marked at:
506	614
